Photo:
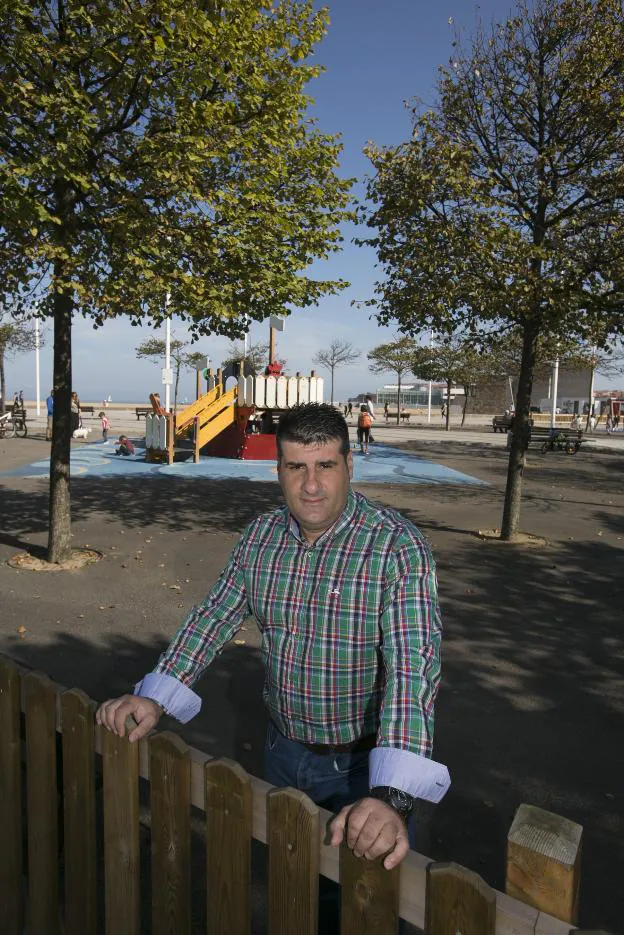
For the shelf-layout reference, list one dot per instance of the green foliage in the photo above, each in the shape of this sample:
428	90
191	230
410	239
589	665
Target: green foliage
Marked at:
395	357
154	349
257	355
16	336
505	209
157	147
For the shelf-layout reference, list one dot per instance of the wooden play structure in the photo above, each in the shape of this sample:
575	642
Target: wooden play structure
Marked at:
235	418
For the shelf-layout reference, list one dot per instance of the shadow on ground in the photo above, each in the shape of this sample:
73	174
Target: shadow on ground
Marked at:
531	704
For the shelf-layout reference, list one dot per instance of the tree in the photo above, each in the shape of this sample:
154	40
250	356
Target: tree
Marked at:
338	354
396	357
155	348
257	355
455	360
504	210
16	336
154	148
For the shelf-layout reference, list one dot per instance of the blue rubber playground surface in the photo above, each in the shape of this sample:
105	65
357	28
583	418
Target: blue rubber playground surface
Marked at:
383	465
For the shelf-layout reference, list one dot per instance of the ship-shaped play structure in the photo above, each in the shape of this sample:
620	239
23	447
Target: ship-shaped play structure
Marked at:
235	418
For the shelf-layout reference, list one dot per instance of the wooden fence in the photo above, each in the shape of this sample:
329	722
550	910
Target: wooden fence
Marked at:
77	809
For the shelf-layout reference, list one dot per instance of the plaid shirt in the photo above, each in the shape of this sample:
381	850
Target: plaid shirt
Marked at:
350	626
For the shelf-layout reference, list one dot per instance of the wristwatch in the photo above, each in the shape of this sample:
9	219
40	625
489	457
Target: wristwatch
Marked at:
400	801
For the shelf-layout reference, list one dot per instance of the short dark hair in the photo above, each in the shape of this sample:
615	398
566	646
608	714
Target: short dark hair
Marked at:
312	424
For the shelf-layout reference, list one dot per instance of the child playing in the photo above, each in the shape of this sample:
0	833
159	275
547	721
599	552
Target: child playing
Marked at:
126	447
105	423
365	420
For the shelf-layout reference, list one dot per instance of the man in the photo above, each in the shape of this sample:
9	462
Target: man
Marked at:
50	405
345	596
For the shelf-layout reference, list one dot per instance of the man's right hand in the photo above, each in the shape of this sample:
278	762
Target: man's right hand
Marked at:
112	715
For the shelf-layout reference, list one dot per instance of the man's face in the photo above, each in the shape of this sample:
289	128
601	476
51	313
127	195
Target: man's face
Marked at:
315	482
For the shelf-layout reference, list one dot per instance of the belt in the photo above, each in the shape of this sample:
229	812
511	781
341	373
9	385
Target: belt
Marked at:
361	745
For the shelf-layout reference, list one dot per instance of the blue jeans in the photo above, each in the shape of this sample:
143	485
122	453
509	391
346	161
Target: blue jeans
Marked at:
331	781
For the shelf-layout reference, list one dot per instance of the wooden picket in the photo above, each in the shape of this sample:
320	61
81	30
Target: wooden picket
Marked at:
79	814
120	762
42	916
10	799
543	850
170	797
228	847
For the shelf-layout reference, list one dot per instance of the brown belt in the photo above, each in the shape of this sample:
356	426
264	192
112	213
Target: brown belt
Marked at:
361	745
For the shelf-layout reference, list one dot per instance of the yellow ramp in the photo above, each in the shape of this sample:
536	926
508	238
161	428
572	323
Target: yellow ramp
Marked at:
211	413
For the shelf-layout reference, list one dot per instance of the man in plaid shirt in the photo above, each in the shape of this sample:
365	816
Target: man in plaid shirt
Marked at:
345	596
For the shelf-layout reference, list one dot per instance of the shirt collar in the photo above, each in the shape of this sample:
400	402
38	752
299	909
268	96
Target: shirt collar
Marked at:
341	523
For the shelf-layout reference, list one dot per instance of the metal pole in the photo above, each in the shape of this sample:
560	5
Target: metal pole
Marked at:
429	399
555	382
37	380
513	404
167	352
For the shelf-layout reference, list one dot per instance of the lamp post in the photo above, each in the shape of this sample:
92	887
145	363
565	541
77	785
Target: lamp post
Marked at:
37	380
555	382
429	396
167	370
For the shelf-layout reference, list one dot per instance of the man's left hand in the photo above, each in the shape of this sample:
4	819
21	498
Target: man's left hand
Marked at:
372	829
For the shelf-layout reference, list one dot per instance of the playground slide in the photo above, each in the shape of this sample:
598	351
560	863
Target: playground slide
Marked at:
214	412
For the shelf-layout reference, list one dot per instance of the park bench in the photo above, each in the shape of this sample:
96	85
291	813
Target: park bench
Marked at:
142	411
89	409
405	416
541	434
501	423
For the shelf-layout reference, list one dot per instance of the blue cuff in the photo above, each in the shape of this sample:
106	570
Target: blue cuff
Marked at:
412	773
178	700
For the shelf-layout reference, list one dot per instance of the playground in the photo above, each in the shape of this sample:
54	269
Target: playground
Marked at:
531	698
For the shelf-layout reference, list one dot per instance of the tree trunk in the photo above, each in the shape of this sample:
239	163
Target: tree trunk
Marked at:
2	383
520	436
465	406
398	398
59	534
332	386
448	406
591	395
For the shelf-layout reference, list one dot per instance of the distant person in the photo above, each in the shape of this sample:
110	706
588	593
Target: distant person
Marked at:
592	423
365	420
50	406
386	411
346	410
616	421
350	411
105	423
609	423
126	448
75	413
576	422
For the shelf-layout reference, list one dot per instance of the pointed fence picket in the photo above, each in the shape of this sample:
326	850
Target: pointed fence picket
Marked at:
442	899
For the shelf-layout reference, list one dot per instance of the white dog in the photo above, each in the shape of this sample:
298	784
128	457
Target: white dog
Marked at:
81	433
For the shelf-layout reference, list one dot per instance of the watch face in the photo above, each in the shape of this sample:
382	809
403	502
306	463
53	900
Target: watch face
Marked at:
401	800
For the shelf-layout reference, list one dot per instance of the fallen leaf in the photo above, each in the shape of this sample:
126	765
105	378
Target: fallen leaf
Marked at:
174	587
239	642
21	630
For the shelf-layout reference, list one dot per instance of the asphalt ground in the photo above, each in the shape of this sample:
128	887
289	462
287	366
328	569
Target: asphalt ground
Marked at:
532	697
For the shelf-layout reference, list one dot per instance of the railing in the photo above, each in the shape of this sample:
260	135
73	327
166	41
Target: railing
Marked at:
101	853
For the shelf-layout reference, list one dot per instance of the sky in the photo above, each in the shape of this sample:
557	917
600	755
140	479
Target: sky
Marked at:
377	56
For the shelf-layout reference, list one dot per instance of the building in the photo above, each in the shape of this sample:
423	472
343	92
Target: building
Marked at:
413	395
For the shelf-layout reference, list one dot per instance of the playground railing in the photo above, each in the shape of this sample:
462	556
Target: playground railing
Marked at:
75	788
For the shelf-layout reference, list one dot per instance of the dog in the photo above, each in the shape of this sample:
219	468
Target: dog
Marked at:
81	433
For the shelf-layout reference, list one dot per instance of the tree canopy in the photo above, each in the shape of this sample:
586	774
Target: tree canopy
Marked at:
505	208
16	337
394	357
183	358
160	148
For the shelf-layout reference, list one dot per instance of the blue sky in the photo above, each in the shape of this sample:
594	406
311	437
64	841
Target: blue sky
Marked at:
377	55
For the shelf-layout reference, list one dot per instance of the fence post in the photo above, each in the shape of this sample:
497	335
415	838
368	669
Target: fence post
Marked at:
170	800
458	900
294	839
42	805
79	813
543	862
120	761
11	901
369	896
229	808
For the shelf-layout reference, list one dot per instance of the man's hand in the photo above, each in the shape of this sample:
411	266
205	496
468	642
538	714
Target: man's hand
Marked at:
112	715
373	829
